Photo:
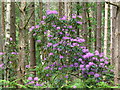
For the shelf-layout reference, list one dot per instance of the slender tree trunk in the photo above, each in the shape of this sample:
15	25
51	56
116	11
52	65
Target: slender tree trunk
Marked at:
106	30
2	34
117	48
32	39
41	8
22	45
98	33
84	16
61	6
113	27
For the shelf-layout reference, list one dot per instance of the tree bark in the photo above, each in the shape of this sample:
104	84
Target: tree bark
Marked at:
98	33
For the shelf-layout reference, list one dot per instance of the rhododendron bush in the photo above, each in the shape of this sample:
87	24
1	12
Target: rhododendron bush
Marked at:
64	52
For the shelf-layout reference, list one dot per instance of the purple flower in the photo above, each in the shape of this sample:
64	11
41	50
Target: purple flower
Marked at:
73	30
85	50
88	55
81	66
80	59
51	54
60	68
66	76
67	34
81	40
87	66
50	35
49	44
15	53
61	56
101	60
80	16
96	52
11	39
31	82
2	53
76	64
30	78
71	65
47	75
36	78
69	26
73	16
51	12
54	25
66	38
79	22
96	75
91	63
58	28
38	41
47	67
37	26
55	45
1	65
91	73
27	66
63	18
44	17
74	86
38	84
106	62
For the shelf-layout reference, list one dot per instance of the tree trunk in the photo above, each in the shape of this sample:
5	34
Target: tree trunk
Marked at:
32	39
98	33
117	48
106	30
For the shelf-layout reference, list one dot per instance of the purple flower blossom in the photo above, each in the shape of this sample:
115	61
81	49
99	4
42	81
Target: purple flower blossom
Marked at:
58	28
96	52
101	60
88	55
27	66
61	56
91	73
15	53
55	45
54	25
51	12
47	75
66	76
96	75
85	50
74	86
73	16
80	59
44	17
63	18
38	84
71	65
91	63
106	62
60	68
66	38
36	78
73	30
87	66
49	44
69	26
2	53
1	65
11	39
51	54
31	82
80	16
30	78
37	26
81	66
38	41
79	22
50	35
47	67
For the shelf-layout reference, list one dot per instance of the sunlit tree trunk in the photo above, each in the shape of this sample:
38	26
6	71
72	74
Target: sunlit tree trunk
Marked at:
98	33
113	27
32	39
106	29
